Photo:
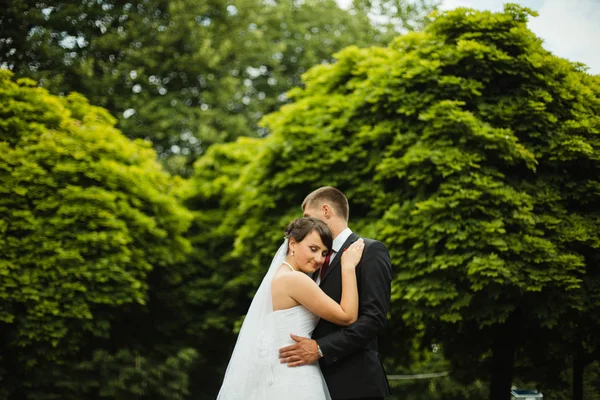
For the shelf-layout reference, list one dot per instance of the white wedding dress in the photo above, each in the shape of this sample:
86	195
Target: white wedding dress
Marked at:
289	383
254	371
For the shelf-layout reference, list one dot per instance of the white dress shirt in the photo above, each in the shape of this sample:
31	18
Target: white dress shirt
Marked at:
338	242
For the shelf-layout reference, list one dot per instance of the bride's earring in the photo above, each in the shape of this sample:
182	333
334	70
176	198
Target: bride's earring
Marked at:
293	253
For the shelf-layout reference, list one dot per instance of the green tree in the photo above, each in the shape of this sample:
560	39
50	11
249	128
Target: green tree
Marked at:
218	285
398	16
570	348
184	74
87	220
493	163
473	153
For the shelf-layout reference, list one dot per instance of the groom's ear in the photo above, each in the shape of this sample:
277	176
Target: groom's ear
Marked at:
327	211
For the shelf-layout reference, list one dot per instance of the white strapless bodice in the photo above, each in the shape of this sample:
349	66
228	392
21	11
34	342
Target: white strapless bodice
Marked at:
298	383
297	320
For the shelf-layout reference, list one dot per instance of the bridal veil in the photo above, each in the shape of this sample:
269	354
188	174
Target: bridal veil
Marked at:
250	368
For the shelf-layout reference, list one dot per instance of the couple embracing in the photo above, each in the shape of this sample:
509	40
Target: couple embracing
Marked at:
311	330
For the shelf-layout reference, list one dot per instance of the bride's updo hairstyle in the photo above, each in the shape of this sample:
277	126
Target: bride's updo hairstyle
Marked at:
302	227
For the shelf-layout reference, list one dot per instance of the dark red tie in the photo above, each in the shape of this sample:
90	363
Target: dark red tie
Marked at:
325	264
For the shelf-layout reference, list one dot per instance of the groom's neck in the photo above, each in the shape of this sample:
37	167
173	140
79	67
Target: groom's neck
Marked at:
337	226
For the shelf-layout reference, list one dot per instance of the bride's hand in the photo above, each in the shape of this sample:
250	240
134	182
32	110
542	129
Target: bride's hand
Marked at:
353	254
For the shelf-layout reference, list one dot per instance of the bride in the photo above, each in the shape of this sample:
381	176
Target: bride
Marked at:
289	301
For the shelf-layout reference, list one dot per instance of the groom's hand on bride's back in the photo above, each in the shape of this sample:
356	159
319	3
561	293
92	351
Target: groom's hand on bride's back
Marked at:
303	352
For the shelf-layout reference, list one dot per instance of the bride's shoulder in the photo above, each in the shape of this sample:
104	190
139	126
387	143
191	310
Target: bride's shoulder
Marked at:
292	277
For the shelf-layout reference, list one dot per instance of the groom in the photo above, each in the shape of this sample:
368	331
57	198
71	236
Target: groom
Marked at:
348	355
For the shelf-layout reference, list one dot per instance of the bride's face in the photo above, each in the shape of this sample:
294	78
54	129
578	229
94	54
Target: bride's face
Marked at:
309	254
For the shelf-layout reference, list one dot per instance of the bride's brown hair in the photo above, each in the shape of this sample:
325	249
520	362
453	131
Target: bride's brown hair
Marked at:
302	227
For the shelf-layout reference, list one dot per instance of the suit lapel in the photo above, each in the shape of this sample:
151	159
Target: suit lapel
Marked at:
335	264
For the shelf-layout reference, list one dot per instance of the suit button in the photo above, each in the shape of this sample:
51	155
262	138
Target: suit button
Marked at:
334	359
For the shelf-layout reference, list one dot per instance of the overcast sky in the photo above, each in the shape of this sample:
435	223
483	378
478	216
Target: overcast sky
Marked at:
570	28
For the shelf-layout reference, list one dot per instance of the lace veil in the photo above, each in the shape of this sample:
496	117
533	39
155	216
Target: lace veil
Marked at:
250	368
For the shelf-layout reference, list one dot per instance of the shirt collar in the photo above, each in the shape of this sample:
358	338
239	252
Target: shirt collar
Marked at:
340	239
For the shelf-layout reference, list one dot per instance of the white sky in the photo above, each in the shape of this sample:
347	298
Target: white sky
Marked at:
569	28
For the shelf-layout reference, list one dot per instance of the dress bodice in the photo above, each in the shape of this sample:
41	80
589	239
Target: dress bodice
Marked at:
271	380
297	320
282	382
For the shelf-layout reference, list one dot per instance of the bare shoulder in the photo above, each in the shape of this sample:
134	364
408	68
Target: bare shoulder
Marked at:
293	278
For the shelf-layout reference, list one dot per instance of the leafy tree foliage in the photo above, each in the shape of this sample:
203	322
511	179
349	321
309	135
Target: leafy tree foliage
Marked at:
470	150
494	224
216	288
185	73
473	153
87	220
398	15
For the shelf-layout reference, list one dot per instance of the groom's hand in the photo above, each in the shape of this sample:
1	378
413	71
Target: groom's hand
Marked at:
303	352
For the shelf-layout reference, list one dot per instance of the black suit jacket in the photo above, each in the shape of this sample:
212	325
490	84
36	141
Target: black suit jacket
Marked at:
351	363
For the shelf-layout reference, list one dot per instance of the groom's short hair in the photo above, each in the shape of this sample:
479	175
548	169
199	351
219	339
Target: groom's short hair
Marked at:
331	195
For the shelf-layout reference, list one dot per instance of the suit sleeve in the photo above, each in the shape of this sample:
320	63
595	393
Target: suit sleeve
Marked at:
375	277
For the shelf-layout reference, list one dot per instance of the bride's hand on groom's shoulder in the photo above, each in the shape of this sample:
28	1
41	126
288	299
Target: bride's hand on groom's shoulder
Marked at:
303	352
352	255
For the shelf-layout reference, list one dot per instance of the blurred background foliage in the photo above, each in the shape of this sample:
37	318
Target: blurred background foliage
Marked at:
151	153
185	74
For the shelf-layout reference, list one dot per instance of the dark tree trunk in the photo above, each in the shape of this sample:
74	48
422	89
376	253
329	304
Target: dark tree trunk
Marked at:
578	368
503	354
